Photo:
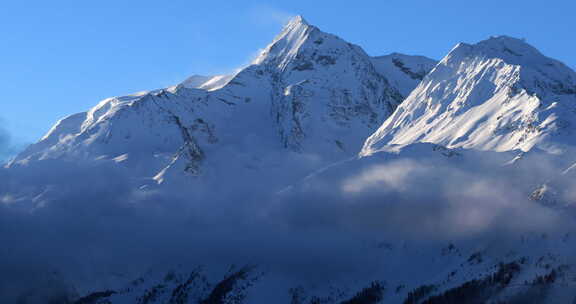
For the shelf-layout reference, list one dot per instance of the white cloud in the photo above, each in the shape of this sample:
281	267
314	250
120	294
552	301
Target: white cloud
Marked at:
266	15
391	176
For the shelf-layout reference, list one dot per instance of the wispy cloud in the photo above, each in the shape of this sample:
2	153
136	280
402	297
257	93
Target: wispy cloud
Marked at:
267	15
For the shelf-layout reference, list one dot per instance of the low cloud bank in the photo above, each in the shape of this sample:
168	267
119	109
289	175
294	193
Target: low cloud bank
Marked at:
74	227
424	198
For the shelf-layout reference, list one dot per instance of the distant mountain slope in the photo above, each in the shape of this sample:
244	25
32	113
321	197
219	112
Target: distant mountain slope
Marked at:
452	273
404	71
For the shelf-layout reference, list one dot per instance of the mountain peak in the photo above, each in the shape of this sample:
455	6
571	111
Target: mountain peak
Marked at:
503	39
536	73
509	49
297	20
509	46
295	26
286	44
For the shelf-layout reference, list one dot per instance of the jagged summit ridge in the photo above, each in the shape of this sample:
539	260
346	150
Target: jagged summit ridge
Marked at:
499	94
513	50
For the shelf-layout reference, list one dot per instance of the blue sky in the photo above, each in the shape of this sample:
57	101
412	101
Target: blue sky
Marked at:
62	57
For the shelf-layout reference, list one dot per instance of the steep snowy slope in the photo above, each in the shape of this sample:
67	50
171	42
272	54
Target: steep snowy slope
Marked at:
308	96
500	94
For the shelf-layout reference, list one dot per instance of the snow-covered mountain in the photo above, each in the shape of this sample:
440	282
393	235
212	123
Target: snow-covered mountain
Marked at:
499	94
457	197
310	98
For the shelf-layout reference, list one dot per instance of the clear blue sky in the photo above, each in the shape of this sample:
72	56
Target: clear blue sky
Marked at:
62	57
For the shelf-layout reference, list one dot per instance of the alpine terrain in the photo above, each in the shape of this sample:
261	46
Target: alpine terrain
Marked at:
315	174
